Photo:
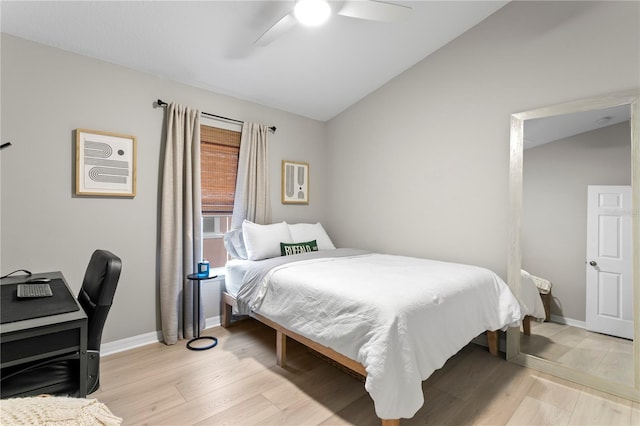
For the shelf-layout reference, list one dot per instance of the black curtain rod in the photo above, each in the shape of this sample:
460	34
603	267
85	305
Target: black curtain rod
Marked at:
162	103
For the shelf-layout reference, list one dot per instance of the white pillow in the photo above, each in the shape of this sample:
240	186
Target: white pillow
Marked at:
302	232
263	241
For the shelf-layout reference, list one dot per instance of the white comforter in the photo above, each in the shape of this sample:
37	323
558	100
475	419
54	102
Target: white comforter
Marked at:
530	301
400	317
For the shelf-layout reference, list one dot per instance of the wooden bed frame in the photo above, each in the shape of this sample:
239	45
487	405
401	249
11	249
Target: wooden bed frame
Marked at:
229	302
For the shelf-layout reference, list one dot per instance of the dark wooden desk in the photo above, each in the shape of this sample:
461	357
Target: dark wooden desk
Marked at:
36	339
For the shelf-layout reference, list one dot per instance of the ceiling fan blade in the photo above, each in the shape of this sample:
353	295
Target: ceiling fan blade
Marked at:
375	11
282	26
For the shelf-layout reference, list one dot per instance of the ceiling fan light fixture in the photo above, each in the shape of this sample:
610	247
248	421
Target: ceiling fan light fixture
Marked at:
312	12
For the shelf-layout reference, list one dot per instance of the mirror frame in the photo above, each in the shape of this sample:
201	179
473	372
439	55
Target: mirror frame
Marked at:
514	256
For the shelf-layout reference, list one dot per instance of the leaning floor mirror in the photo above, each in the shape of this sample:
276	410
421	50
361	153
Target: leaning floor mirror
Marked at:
575	234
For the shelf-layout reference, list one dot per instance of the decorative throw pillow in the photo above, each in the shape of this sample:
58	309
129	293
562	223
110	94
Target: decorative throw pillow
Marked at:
311	231
297	248
263	241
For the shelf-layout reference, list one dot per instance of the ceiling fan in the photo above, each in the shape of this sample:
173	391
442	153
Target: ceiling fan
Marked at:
315	12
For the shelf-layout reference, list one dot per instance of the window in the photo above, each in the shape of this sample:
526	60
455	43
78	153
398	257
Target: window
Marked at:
219	151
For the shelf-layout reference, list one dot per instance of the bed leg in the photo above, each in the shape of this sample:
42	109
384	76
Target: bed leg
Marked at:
526	325
226	314
492	339
390	422
281	348
226	311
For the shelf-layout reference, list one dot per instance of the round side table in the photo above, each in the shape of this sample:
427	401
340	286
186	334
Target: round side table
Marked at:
197	279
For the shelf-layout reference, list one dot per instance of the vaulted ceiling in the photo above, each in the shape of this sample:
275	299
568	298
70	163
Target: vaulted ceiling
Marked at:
316	72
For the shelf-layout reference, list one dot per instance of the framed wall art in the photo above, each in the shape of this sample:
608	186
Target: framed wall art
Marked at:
105	164
295	182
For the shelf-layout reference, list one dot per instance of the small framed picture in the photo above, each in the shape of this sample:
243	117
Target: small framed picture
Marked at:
295	182
105	164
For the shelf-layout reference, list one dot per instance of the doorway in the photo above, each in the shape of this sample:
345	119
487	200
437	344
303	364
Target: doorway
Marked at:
609	294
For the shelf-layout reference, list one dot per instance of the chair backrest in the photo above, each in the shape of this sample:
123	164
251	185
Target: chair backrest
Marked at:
96	295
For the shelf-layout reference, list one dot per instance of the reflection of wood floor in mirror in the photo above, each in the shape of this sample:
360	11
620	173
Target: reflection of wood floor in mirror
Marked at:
598	354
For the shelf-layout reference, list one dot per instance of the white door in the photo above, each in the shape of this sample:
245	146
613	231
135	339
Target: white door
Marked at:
609	277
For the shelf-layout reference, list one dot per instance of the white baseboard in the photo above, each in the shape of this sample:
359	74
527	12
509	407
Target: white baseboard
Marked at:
212	322
568	321
130	343
144	339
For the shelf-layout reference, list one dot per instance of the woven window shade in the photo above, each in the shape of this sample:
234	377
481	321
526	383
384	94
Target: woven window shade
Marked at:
219	150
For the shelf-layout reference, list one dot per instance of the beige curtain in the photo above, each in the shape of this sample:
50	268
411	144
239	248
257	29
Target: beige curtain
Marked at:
180	222
252	184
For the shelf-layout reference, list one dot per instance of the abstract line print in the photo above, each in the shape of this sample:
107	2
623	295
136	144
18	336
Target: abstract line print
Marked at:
105	163
295	182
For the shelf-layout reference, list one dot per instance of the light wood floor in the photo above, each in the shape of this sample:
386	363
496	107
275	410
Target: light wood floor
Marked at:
238	382
598	354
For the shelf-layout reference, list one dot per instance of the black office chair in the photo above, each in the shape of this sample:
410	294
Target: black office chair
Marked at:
59	375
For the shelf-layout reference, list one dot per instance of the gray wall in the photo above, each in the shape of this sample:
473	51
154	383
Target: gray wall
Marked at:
420	167
46	94
554	219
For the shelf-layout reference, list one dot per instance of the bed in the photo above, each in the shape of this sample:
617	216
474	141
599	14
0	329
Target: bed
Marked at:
393	319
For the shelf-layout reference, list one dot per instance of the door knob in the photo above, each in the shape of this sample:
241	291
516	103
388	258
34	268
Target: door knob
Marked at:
593	263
